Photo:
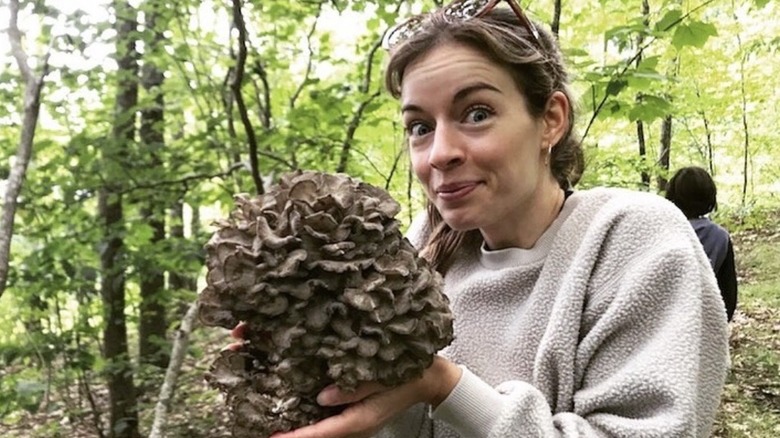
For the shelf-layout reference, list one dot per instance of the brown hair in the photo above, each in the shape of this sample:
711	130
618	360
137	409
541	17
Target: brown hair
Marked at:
693	191
537	73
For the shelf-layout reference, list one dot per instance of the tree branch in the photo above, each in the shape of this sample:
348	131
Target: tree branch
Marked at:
358	115
301	86
369	66
32	106
351	129
235	85
266	112
172	373
370	58
17	50
633	59
184	180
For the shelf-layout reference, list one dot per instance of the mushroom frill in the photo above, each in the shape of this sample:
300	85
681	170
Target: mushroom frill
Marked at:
330	292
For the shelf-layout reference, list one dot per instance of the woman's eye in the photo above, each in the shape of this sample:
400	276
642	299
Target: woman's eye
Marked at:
477	115
418	129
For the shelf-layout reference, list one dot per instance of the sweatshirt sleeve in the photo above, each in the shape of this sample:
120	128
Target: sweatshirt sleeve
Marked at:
727	281
652	365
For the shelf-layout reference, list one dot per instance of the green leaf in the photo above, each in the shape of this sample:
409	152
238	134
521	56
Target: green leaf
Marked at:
139	234
648	63
614	109
615	86
373	24
650	108
668	20
572	52
695	33
645	78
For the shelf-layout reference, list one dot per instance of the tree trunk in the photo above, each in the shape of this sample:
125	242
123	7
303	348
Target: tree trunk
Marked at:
745	126
236	84
709	143
640	135
119	370
555	26
640	126
663	155
666	137
32	106
153	324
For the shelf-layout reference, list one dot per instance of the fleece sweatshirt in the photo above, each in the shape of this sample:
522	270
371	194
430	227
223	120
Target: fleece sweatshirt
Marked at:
610	326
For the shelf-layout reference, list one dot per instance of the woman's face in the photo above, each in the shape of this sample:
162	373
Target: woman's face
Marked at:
473	144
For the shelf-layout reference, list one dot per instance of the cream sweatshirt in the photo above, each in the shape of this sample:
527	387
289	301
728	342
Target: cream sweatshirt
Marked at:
611	326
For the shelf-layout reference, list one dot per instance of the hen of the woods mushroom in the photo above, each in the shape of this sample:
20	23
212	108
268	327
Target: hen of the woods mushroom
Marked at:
331	293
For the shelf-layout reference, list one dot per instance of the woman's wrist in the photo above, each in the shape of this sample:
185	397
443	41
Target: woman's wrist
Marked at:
440	379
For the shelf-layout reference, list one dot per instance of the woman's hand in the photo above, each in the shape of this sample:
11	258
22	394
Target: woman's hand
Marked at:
371	405
238	333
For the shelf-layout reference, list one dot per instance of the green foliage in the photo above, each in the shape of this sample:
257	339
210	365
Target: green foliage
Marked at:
20	393
695	33
305	87
671	18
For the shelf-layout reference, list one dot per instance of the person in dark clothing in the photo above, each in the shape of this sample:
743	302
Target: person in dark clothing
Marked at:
693	191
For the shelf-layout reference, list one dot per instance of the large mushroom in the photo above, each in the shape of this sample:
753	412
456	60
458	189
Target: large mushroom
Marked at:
330	292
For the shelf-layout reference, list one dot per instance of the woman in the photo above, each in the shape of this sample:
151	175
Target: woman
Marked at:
588	313
694	192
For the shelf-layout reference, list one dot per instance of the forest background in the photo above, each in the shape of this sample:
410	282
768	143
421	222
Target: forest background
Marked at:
127	127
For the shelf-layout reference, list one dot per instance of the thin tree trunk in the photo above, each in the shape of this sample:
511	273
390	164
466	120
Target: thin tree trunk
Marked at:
172	373
121	387
640	127
236	84
364	89
745	128
153	323
346	145
663	155
85	292
32	106
555	26
665	149
708	131
640	135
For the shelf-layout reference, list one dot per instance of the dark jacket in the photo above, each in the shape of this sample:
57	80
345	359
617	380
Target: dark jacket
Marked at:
717	244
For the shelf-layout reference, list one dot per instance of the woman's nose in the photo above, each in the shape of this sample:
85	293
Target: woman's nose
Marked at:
447	148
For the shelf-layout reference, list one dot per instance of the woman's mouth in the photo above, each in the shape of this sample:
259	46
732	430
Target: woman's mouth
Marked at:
455	191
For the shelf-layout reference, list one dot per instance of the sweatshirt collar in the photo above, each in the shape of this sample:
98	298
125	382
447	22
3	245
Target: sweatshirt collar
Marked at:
515	257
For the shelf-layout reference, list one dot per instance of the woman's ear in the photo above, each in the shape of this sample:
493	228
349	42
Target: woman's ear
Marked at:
556	119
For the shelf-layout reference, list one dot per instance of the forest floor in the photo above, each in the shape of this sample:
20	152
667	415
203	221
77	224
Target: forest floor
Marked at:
750	404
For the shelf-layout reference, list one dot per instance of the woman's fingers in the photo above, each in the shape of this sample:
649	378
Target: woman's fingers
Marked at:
332	395
235	346
360	420
363	418
239	332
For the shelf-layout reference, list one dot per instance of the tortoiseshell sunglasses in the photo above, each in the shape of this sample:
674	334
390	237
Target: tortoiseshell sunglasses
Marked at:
460	10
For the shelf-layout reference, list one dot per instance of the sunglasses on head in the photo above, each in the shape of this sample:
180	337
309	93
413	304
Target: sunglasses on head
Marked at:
458	10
